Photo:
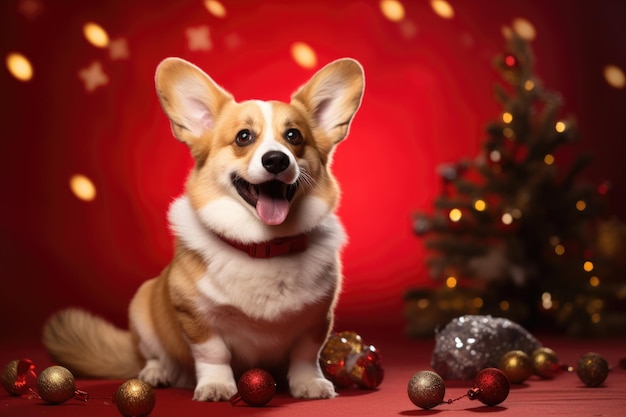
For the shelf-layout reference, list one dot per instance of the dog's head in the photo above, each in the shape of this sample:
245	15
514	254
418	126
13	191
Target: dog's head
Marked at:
262	168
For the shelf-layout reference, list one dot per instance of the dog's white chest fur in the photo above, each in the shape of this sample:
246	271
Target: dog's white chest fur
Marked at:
265	289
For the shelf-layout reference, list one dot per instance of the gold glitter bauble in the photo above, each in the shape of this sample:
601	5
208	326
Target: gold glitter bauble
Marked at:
426	389
9	379
332	360
592	369
56	385
135	398
545	362
516	365
353	339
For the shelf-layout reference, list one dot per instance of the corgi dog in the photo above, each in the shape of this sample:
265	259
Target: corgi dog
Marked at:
256	269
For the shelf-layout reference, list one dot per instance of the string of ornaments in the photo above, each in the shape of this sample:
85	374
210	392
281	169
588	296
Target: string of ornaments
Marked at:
345	360
468	338
56	385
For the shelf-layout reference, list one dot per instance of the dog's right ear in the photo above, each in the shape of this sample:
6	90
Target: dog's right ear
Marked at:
189	97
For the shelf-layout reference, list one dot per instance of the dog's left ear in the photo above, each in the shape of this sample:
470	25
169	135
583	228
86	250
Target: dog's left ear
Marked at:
332	97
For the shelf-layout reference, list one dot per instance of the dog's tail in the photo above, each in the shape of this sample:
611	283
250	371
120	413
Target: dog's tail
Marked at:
91	347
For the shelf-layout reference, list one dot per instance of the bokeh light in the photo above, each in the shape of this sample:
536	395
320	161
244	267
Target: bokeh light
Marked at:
19	66
304	55
392	10
548	159
96	35
455	215
82	187
216	8
480	205
451	282
442	8
524	29
614	76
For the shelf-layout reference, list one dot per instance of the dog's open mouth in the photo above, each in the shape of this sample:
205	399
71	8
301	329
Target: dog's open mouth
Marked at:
271	199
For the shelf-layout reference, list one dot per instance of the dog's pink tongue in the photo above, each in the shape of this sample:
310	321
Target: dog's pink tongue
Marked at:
272	210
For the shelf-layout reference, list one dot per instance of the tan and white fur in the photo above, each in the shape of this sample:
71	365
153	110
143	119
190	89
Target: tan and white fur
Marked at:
214	311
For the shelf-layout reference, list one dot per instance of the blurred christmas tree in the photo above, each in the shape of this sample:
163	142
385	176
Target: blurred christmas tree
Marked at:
512	236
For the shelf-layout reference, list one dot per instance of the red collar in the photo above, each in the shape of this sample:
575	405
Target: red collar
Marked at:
276	247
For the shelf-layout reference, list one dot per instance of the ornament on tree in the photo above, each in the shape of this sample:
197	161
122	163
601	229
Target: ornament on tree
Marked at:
471	343
426	389
15	376
56	385
516	365
490	387
256	387
592	369
545	363
135	398
345	361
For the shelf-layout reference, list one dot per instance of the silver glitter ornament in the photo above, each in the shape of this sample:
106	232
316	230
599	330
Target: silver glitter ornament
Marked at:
471	343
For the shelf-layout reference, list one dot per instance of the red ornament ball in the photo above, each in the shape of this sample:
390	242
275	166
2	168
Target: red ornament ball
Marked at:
490	387
256	387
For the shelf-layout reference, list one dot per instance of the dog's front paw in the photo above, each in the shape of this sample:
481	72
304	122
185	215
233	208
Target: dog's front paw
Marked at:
154	374
214	392
313	388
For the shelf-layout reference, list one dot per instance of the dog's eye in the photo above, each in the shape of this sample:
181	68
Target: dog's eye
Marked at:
293	136
244	137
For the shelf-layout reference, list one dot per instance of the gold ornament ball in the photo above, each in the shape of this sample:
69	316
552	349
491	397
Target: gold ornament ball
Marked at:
9	379
545	362
135	398
353	339
56	385
516	365
592	369
426	389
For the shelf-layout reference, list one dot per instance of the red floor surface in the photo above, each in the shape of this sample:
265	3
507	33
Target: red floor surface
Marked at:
563	396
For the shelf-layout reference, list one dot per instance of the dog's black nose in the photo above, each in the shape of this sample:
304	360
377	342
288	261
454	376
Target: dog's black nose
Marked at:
275	162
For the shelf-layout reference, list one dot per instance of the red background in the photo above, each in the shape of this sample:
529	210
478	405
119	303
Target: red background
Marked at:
428	97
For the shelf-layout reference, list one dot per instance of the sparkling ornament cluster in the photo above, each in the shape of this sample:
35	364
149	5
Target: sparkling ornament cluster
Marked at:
471	343
346	360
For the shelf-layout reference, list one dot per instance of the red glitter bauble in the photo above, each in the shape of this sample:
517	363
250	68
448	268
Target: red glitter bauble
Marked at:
256	388
491	387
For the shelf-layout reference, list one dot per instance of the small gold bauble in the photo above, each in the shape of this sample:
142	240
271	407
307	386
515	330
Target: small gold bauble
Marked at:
9	379
135	398
592	369
545	363
516	365
426	389
56	385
